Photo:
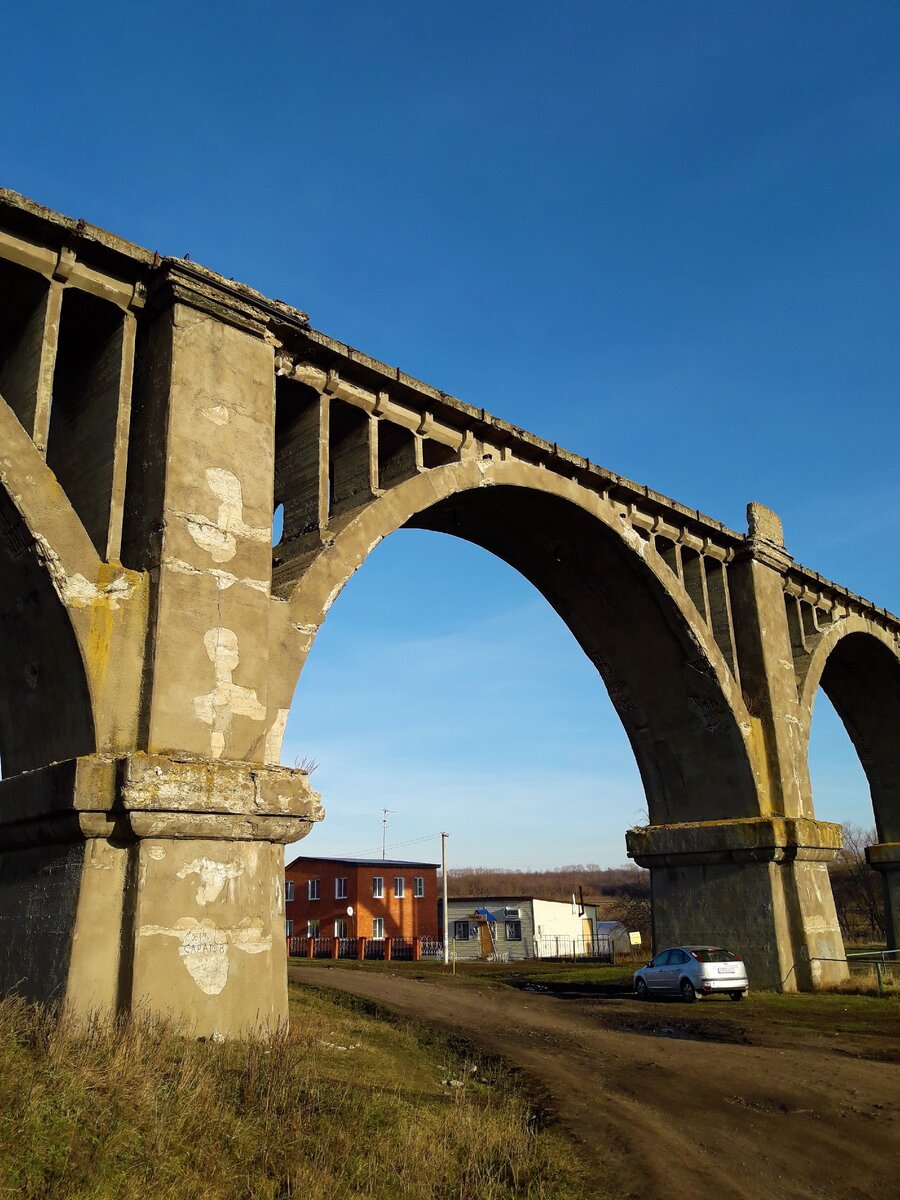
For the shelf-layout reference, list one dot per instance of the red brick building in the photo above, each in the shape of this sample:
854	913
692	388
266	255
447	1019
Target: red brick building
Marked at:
389	898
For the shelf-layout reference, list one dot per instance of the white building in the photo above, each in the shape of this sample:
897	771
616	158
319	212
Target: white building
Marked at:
506	928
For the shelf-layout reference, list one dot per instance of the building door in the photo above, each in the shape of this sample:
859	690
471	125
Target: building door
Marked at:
487	941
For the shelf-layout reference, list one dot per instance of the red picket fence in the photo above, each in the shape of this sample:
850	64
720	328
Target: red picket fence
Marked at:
383	949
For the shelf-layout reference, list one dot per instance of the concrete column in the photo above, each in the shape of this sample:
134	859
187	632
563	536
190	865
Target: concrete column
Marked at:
885	858
212	556
758	886
767	666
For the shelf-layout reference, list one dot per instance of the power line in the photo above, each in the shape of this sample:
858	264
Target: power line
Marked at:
393	846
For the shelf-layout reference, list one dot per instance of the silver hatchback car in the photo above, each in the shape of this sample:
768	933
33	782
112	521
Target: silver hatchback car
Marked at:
692	971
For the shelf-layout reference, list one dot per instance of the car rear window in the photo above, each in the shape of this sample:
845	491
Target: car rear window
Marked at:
714	955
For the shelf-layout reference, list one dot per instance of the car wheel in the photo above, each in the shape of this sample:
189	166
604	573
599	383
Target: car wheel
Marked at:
688	994
641	990
737	995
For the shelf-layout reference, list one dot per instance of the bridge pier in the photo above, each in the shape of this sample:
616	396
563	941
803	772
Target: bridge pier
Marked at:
148	883
885	858
758	886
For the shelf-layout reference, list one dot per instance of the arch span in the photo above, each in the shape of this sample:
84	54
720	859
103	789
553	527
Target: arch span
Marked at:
858	667
673	691
40	658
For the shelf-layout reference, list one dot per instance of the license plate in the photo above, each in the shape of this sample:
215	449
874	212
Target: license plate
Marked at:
726	970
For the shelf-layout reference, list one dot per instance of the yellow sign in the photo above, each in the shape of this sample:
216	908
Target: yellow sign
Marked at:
634	938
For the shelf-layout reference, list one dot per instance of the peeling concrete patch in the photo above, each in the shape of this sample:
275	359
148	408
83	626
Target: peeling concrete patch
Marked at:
224	579
213	877
227	699
217	413
81	592
203	947
218	537
76	590
309	629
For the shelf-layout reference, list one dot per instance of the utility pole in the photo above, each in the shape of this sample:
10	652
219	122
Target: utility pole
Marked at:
444	882
384	818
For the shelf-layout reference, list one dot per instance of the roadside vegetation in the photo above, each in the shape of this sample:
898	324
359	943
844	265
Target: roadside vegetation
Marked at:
858	890
346	1103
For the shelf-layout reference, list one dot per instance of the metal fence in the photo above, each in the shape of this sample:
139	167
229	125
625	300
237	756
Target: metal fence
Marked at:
597	948
880	967
432	948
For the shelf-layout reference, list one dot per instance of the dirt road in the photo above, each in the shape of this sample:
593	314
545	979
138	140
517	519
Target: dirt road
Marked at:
658	1112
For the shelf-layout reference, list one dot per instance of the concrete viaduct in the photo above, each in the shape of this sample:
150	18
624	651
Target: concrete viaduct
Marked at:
153	416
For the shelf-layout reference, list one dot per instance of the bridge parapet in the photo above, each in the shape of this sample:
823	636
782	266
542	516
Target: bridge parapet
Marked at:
350	429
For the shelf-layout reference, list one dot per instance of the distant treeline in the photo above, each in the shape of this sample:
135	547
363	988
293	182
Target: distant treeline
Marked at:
623	893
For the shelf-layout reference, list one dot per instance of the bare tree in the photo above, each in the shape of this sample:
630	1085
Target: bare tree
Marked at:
857	889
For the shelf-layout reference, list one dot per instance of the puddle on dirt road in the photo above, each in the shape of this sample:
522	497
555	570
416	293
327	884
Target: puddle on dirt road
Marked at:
648	1026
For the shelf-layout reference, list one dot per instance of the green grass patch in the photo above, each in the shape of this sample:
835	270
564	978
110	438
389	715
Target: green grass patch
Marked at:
553	975
344	1103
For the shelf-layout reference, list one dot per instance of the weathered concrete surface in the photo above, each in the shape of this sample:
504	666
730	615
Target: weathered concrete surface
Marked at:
151	882
761	882
153	415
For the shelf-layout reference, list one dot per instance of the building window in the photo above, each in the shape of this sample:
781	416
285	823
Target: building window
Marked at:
461	931
340	927
312	928
378	887
419	887
312	889
340	888
378	927
399	887
289	889
289	928
514	931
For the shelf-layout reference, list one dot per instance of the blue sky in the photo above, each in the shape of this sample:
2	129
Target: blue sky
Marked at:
663	235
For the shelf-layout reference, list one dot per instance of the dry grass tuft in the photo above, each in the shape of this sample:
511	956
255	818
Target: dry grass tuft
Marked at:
342	1104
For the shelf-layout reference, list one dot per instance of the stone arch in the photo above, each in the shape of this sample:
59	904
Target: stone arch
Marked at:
857	665
679	704
40	657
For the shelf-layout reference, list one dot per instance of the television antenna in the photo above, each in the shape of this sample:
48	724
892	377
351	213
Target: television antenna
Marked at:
384	818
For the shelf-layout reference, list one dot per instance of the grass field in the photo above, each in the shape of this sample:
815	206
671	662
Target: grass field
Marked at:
346	1103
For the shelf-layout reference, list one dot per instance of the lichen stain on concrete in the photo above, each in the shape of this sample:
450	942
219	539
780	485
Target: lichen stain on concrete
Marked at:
213	876
227	699
157	853
218	537
203	947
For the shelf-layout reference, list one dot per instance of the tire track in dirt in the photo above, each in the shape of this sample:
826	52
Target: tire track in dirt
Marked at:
673	1117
